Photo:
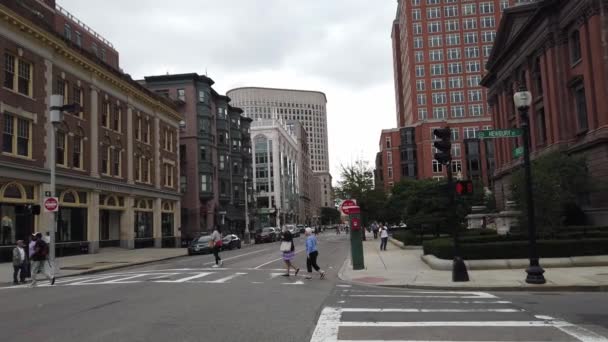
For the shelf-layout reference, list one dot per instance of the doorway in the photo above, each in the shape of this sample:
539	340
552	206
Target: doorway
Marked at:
109	228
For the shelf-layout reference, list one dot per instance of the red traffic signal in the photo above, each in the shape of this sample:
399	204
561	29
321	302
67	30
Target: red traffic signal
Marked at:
464	187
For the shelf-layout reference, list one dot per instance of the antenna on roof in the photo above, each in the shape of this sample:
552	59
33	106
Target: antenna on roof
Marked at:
167	72
206	72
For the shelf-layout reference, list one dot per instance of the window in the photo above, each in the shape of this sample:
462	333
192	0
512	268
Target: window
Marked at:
145	170
453	53
473	81
468	9
455	82
452	39
390	172
169	171
433	13
439	98
78	39
419	55
454	68
452	25
418	43
455	134
470	38
416	15
581	107
575	47
473	66
417	28
434	26
537	77
440	112
437	69
116	116
423	114
541	129
504	4
469	23
457	97
450	11
436	55
470	132
181	94
476	110
16	136
103	54
388	142
437	167
202	96
435	41
457	111
471	52
222	165
105	115
419	70
94	49
205	183
421	99
456	166
77	152
146	132
116	162
137	170
20	82
389	158
487	50
67	32
105	160
486	7
60	149
488	36
78	97
433	2
474	95
488	22
420	85
138	129
437	83
415	2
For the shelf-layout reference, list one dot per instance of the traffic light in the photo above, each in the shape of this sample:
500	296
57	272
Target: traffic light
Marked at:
464	187
444	145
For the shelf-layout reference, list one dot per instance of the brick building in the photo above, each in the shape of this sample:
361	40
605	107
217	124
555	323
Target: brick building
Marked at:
215	150
557	49
439	49
117	158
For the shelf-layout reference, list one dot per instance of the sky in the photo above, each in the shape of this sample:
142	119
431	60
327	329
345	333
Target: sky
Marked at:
339	47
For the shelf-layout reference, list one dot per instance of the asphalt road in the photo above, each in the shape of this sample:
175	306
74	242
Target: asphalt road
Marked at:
247	299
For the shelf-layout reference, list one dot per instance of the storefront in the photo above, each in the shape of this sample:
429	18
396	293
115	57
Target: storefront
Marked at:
16	218
111	209
72	218
144	223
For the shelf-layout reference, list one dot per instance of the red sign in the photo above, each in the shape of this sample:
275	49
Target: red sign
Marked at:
51	204
349	207
464	187
355	223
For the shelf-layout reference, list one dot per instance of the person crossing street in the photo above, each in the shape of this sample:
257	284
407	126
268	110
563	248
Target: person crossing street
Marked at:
312	253
39	260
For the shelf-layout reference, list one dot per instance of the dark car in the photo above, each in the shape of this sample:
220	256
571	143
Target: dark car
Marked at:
268	234
301	228
293	230
231	241
200	245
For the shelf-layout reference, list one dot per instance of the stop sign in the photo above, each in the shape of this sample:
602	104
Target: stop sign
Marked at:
349	207
51	204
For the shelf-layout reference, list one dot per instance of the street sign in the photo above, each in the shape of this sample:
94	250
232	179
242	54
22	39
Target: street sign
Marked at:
51	204
355	223
518	152
349	207
47	194
500	133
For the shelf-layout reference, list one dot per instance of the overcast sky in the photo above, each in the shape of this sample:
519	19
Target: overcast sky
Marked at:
339	47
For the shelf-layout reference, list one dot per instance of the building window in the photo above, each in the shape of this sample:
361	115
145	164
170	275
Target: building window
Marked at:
457	111
146	132
455	82
390	172
423	114
474	95
116	118
473	81
105	160
581	107
419	55
488	36
21	81
487	50
488	22
67	32
94	49
456	166
471	132
78	97
77	152
456	97
78	39
439	98
420	85
435	41
222	163
452	39
169	171
575	47
453	53
418	44
470	38
421	99
471	52
388	142
486	7
469	23
433	13
537	77
476	110
434	26
105	115
60	148
103	54
145	170
541	130
138	129
436	55
116	162
419	70
454	68
437	83
416	15
440	112
389	158
16	136
455	134
181	94
450	11
473	66
468	9
437	69
415	2
437	167
203	153
137	169
202	96
205	183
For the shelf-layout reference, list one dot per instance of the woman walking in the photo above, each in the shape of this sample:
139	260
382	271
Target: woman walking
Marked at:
312	254
288	249
383	237
216	240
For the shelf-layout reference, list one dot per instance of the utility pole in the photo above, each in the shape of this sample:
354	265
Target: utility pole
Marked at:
247	235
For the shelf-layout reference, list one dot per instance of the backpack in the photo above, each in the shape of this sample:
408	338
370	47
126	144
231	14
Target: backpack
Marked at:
42	249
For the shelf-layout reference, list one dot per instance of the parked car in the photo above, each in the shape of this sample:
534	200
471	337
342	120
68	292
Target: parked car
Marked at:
200	245
231	241
268	234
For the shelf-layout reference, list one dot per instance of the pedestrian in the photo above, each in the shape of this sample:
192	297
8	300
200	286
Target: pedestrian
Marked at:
30	253
383	237
288	250
311	254
19	263
216	246
39	260
375	230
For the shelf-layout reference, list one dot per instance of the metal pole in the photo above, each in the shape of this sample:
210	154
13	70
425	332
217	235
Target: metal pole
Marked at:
535	271
52	162
247	237
459	268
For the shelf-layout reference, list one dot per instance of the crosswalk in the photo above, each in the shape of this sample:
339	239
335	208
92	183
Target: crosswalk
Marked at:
179	276
375	315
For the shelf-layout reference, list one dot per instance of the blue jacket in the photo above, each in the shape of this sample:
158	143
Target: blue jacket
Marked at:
311	244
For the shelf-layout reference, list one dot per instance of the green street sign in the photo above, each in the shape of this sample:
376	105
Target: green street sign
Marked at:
500	133
518	152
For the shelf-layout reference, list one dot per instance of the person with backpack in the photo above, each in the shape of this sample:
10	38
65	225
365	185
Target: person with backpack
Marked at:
39	260
216	240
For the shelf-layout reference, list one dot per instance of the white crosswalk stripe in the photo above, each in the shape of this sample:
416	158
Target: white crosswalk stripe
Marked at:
390	315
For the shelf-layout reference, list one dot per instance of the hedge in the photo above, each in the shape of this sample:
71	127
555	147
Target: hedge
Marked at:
443	248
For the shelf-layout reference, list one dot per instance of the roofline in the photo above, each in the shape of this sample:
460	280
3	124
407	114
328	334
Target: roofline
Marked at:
179	77
282	89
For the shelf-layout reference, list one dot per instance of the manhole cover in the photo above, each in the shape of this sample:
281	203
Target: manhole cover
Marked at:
371	280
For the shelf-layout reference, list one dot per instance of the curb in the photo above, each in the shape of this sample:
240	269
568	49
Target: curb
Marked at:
500	264
402	245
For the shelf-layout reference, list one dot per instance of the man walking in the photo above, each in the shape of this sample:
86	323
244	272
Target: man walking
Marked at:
19	263
39	260
375	230
383	237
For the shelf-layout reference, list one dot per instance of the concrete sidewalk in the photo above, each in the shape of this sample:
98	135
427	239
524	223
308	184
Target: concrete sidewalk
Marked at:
106	259
404	268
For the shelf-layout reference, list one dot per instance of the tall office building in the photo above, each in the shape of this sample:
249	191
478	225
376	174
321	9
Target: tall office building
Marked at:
440	48
307	107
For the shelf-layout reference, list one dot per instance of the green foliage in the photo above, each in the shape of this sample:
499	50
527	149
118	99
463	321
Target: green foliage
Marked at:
330	215
557	181
358	183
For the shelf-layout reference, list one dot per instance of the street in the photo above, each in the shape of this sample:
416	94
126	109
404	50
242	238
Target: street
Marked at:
247	299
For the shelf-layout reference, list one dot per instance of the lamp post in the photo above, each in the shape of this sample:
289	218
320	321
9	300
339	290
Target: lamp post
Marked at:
523	99
247	235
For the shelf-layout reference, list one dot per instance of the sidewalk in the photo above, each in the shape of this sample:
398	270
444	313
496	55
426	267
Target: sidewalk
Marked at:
404	268
106	259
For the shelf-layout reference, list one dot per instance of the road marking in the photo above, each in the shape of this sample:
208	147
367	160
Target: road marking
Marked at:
547	318
183	280
257	282
122	280
89	281
276	274
581	333
341	301
159	276
533	324
275	260
343	285
327	325
430	310
425	294
225	279
299	282
238	256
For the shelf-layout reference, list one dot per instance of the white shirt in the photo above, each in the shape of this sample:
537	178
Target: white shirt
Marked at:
21	253
384	232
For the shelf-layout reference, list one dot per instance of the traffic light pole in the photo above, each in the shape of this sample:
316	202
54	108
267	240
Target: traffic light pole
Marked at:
459	269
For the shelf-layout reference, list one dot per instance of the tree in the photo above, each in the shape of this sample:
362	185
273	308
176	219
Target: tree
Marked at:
330	215
357	182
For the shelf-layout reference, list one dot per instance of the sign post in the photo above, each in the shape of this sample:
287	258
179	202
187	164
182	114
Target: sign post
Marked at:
350	208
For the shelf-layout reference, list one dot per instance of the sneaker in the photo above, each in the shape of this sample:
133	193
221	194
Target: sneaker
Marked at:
297	270
53	281
221	262
322	274
309	277
215	266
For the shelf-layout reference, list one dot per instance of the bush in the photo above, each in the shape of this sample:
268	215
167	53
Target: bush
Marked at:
412	238
444	249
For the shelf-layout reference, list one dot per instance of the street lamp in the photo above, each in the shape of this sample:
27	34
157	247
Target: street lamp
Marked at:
523	99
247	235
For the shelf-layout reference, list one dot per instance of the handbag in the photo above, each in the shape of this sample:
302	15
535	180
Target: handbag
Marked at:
285	246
